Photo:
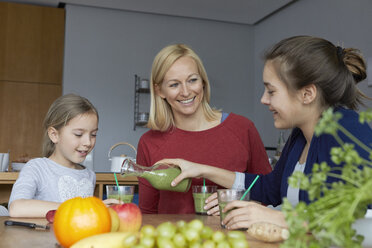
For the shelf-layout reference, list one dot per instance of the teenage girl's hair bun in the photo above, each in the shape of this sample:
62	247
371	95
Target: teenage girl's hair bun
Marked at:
355	63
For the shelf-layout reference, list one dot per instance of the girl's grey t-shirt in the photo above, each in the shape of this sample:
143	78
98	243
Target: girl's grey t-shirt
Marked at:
44	179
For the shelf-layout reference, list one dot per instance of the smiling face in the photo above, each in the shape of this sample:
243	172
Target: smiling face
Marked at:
74	141
182	88
287	107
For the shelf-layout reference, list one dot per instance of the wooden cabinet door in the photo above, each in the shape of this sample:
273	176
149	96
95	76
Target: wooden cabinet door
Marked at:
31	43
22	110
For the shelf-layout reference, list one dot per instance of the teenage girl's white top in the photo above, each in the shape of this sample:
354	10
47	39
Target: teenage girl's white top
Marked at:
44	179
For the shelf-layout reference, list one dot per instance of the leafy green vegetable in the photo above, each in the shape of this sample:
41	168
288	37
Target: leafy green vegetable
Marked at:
328	219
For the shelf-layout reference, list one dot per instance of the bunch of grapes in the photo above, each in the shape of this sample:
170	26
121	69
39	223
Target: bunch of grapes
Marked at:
182	234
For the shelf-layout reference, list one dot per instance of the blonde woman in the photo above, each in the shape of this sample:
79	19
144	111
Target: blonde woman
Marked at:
184	125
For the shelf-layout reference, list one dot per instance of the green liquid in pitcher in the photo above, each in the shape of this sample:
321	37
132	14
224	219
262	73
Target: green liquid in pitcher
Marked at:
123	198
161	179
199	202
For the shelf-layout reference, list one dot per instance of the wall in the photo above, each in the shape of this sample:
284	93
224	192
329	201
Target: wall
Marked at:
105	48
343	22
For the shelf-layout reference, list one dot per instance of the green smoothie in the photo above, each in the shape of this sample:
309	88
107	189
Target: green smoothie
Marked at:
161	179
223	215
123	198
199	201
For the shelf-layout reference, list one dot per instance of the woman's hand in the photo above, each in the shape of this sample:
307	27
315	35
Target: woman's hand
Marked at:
188	169
245	213
212	205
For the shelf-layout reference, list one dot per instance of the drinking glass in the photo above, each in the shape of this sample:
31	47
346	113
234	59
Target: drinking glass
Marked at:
121	193
228	195
200	194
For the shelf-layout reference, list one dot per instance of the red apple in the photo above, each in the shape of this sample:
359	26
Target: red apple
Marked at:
50	215
130	217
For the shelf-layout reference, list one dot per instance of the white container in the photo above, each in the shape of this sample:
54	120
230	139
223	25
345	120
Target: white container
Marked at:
364	227
117	161
4	161
17	166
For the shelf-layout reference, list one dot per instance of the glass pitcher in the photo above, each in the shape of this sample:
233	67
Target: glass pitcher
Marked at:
159	176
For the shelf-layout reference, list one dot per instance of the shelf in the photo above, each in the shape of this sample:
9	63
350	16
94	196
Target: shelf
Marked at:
141	87
143	90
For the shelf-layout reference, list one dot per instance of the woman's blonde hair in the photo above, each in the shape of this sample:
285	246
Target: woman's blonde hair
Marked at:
62	110
161	115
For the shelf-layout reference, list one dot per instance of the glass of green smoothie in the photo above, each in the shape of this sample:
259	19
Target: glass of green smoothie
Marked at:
200	194
121	193
228	195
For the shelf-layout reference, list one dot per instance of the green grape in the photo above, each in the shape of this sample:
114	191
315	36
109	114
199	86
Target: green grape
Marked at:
195	244
208	244
139	246
191	234
147	242
181	224
223	244
196	224
163	242
148	231
236	235
218	236
206	232
166	229
179	240
239	243
130	240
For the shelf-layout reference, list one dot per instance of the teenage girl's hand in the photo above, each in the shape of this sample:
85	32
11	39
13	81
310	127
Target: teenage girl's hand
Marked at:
212	205
245	213
109	202
188	169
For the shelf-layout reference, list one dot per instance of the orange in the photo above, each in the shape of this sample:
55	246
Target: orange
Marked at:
78	218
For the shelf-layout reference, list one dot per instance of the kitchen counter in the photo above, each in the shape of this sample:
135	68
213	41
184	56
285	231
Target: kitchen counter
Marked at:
20	237
7	179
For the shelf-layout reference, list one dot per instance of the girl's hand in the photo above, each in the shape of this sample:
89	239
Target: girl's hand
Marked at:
212	205
246	213
188	169
109	202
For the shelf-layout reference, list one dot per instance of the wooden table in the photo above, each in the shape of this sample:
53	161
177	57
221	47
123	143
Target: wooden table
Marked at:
21	237
7	179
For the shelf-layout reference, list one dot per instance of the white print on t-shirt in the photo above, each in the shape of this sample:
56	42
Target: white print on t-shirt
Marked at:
69	187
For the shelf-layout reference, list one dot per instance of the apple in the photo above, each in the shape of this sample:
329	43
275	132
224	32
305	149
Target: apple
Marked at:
130	217
50	215
115	221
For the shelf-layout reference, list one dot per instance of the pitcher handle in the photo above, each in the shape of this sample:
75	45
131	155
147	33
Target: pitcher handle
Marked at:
118	144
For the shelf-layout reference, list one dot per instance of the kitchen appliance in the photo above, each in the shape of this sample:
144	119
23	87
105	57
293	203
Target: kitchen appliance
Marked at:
117	161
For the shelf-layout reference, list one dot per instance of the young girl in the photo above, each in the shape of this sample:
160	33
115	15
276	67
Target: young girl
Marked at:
303	76
70	129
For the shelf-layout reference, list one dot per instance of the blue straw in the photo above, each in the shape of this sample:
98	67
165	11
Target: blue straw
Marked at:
249	188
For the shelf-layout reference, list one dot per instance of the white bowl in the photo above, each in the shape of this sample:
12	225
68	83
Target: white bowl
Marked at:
17	166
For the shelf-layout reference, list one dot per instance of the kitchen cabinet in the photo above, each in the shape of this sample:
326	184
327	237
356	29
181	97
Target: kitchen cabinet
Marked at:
31	44
31	67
